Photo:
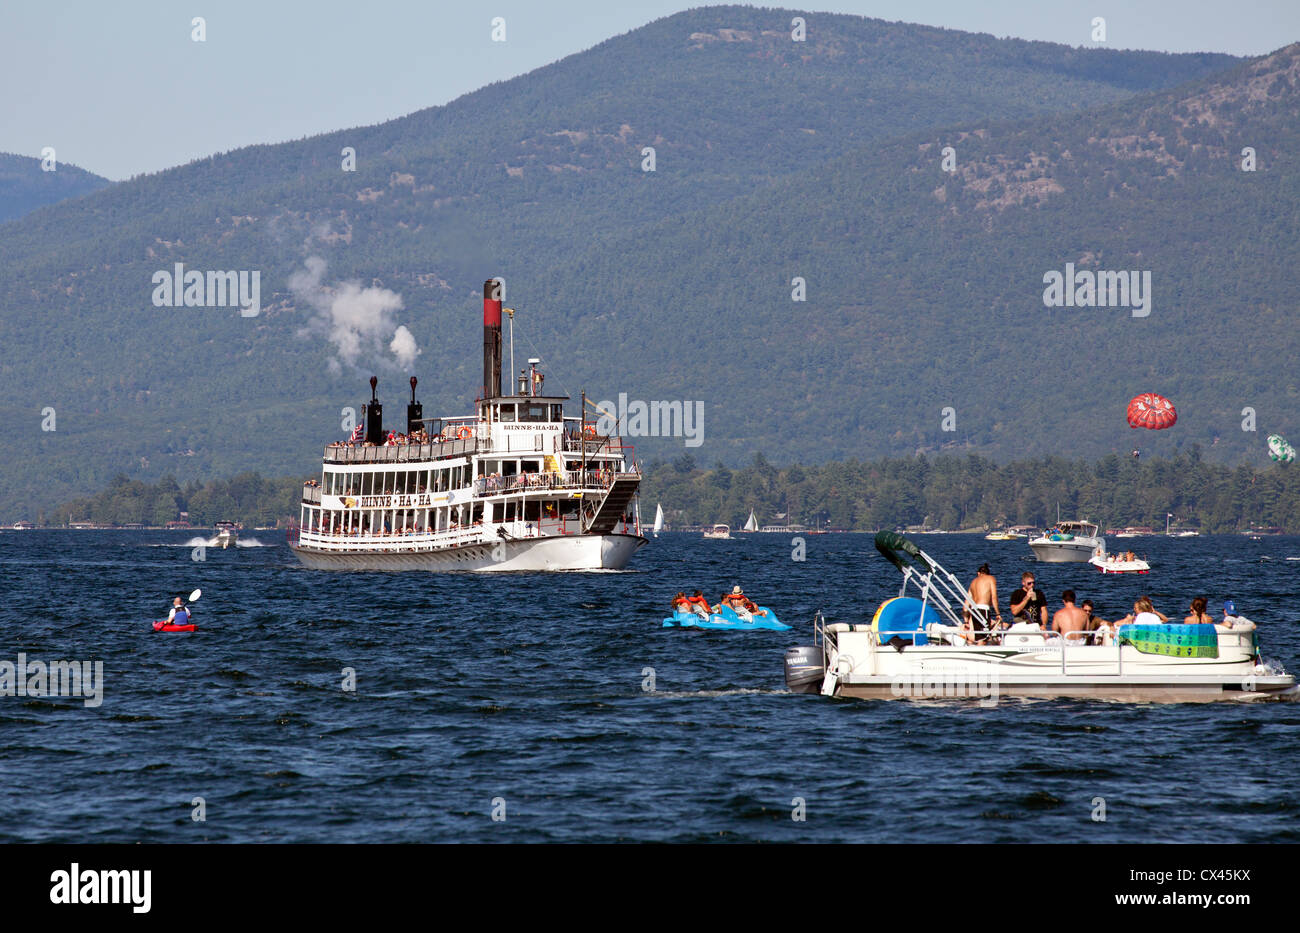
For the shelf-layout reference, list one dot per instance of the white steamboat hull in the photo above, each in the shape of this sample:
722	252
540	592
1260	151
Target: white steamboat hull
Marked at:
568	552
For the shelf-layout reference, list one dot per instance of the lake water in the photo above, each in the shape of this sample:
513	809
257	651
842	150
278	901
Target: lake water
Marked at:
523	694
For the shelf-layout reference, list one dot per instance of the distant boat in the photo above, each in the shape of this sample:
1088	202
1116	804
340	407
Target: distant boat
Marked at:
1068	542
752	523
23	526
719	532
227	534
659	519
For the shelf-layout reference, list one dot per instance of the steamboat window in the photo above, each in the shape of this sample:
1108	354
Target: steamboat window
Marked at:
530	412
508	412
557	412
366	484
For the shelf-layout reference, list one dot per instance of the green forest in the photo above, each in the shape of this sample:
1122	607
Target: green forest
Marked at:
247	498
953	493
945	492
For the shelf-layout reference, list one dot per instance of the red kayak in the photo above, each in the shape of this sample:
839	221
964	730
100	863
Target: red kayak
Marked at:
168	627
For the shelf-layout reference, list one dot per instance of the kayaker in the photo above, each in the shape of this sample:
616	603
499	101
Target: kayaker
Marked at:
179	615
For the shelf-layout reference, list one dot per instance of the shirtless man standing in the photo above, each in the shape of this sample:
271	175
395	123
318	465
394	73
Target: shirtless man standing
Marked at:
1069	618
982	595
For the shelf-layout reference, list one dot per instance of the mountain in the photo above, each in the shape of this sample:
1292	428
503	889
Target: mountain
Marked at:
24	186
926	288
773	159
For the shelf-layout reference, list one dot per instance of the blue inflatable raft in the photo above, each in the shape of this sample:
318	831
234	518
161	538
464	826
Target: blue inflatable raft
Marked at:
725	619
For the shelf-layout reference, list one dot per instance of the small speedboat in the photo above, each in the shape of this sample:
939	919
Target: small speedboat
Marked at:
719	532
999	536
726	618
1111	563
227	534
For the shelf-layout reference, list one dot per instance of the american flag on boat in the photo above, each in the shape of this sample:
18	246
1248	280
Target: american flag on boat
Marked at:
357	432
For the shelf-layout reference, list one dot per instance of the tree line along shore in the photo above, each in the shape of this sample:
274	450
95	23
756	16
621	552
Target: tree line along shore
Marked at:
948	493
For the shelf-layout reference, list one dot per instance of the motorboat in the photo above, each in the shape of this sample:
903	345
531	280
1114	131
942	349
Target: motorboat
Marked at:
1068	542
918	645
227	534
719	532
1115	563
999	536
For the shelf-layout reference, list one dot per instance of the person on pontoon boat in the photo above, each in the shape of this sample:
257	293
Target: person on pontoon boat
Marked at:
1198	615
1070	619
1029	603
1143	614
982	596
741	605
1232	620
1098	627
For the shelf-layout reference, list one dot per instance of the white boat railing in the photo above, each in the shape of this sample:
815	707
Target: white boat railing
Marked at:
405	453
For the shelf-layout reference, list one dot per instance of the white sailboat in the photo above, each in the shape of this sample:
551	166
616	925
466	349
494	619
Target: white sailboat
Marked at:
752	523
659	519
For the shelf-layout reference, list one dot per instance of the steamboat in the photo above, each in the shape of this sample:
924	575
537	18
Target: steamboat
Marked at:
517	485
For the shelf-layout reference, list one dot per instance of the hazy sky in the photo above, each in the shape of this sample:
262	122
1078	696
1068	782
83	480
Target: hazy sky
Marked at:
120	88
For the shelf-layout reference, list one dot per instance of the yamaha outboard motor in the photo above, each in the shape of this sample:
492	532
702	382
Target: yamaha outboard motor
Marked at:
804	669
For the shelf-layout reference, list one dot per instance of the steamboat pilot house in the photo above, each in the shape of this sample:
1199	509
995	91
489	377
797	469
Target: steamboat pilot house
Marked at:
515	486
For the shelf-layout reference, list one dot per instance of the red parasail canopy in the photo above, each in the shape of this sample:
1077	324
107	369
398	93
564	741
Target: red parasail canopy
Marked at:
1151	411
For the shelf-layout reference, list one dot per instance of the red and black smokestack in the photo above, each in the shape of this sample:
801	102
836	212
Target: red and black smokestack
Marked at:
414	412
374	417
492	338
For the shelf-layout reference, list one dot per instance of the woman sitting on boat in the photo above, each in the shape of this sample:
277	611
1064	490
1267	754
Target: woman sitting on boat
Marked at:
1199	616
1143	614
681	603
